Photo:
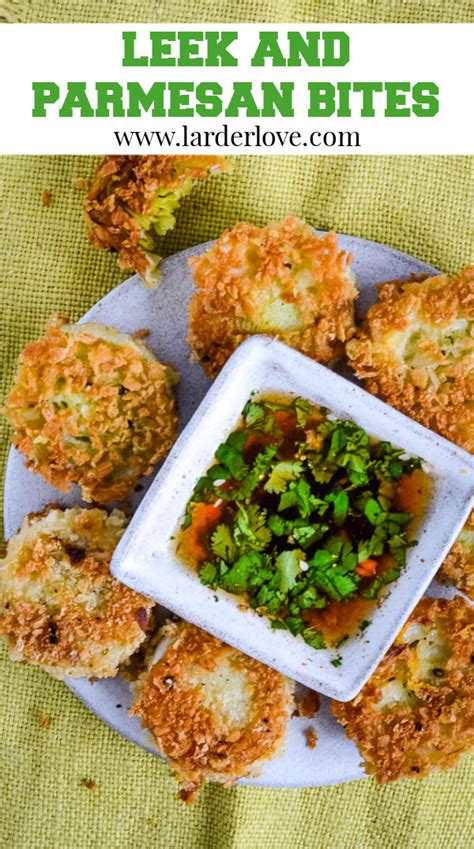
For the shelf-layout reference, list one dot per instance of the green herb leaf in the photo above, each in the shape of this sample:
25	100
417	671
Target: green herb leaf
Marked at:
254	415
250	530
223	544
208	575
278	625
237	578
303	411
340	505
288	565
230	454
280	476
321	559
314	638
379	582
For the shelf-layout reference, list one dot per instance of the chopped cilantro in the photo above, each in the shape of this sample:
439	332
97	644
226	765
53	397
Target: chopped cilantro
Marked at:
281	474
288	565
230	454
301	517
208	574
303	409
314	638
222	543
251	530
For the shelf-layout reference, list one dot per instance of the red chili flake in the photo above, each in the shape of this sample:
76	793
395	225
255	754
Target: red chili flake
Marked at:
88	783
46	197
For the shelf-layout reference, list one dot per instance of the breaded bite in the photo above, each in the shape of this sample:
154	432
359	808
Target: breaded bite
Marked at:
60	608
132	201
214	713
92	406
416	713
282	280
458	566
416	351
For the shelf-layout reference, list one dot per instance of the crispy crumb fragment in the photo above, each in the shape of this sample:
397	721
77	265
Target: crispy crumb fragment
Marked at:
311	738
132	202
46	197
307	704
214	713
415	715
45	720
282	280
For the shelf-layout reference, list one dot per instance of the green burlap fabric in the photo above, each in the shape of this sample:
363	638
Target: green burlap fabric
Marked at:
420	205
320	11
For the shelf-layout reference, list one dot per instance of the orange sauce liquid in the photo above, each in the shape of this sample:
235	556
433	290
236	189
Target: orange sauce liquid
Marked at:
192	545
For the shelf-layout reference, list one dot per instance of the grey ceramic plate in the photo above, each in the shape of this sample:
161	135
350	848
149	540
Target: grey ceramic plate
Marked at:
130	307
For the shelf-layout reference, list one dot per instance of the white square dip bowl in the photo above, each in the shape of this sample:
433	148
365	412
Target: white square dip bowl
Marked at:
147	561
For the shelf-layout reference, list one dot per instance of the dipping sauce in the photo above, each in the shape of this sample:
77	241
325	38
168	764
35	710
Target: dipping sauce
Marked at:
304	515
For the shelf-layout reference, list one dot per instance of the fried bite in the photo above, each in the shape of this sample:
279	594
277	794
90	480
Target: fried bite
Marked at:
132	202
282	280
60	608
92	406
416	713
458	566
416	351
214	713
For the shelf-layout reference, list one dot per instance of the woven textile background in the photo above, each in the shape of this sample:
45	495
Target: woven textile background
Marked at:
322	11
420	205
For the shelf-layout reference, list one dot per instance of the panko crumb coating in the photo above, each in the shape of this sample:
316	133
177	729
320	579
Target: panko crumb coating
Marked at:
416	713
458	566
282	280
214	713
416	351
60	608
92	406
132	201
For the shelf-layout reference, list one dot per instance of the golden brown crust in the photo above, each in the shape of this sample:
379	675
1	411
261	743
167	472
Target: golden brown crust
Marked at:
416	351
434	725
247	268
60	608
458	566
124	186
200	743
93	407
